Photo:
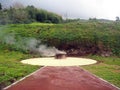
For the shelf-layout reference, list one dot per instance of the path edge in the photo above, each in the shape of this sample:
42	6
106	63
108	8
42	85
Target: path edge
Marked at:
100	78
23	78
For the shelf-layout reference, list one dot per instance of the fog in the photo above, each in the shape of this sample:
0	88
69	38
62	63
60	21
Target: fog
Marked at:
84	9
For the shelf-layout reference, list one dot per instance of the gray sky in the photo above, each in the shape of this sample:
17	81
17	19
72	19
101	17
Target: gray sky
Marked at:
84	9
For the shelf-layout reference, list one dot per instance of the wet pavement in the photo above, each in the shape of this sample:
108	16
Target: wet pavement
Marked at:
62	78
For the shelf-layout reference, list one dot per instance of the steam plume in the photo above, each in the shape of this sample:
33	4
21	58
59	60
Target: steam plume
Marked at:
28	43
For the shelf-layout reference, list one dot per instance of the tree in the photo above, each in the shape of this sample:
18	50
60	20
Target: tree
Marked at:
4	19
0	6
117	18
18	15
18	5
54	18
41	15
31	10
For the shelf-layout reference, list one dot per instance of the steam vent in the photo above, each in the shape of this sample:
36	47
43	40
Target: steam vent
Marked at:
61	55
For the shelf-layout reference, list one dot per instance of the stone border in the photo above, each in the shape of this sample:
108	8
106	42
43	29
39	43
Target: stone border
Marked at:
51	61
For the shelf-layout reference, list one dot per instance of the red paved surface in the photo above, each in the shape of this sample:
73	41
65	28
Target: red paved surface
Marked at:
62	78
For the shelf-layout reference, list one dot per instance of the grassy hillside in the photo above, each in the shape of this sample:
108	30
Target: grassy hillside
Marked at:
89	37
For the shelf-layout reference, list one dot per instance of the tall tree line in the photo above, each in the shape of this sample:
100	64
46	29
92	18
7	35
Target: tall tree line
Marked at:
27	15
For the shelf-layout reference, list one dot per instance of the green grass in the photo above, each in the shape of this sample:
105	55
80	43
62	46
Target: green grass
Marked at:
10	67
107	68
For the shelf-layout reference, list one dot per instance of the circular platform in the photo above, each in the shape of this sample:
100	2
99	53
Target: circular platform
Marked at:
69	61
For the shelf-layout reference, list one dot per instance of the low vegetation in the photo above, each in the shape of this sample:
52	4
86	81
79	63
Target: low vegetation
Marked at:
107	68
81	38
11	69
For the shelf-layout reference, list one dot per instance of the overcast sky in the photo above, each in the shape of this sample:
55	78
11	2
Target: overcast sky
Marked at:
84	9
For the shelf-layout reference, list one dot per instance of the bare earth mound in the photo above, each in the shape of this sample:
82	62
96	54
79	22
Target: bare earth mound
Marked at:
51	61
